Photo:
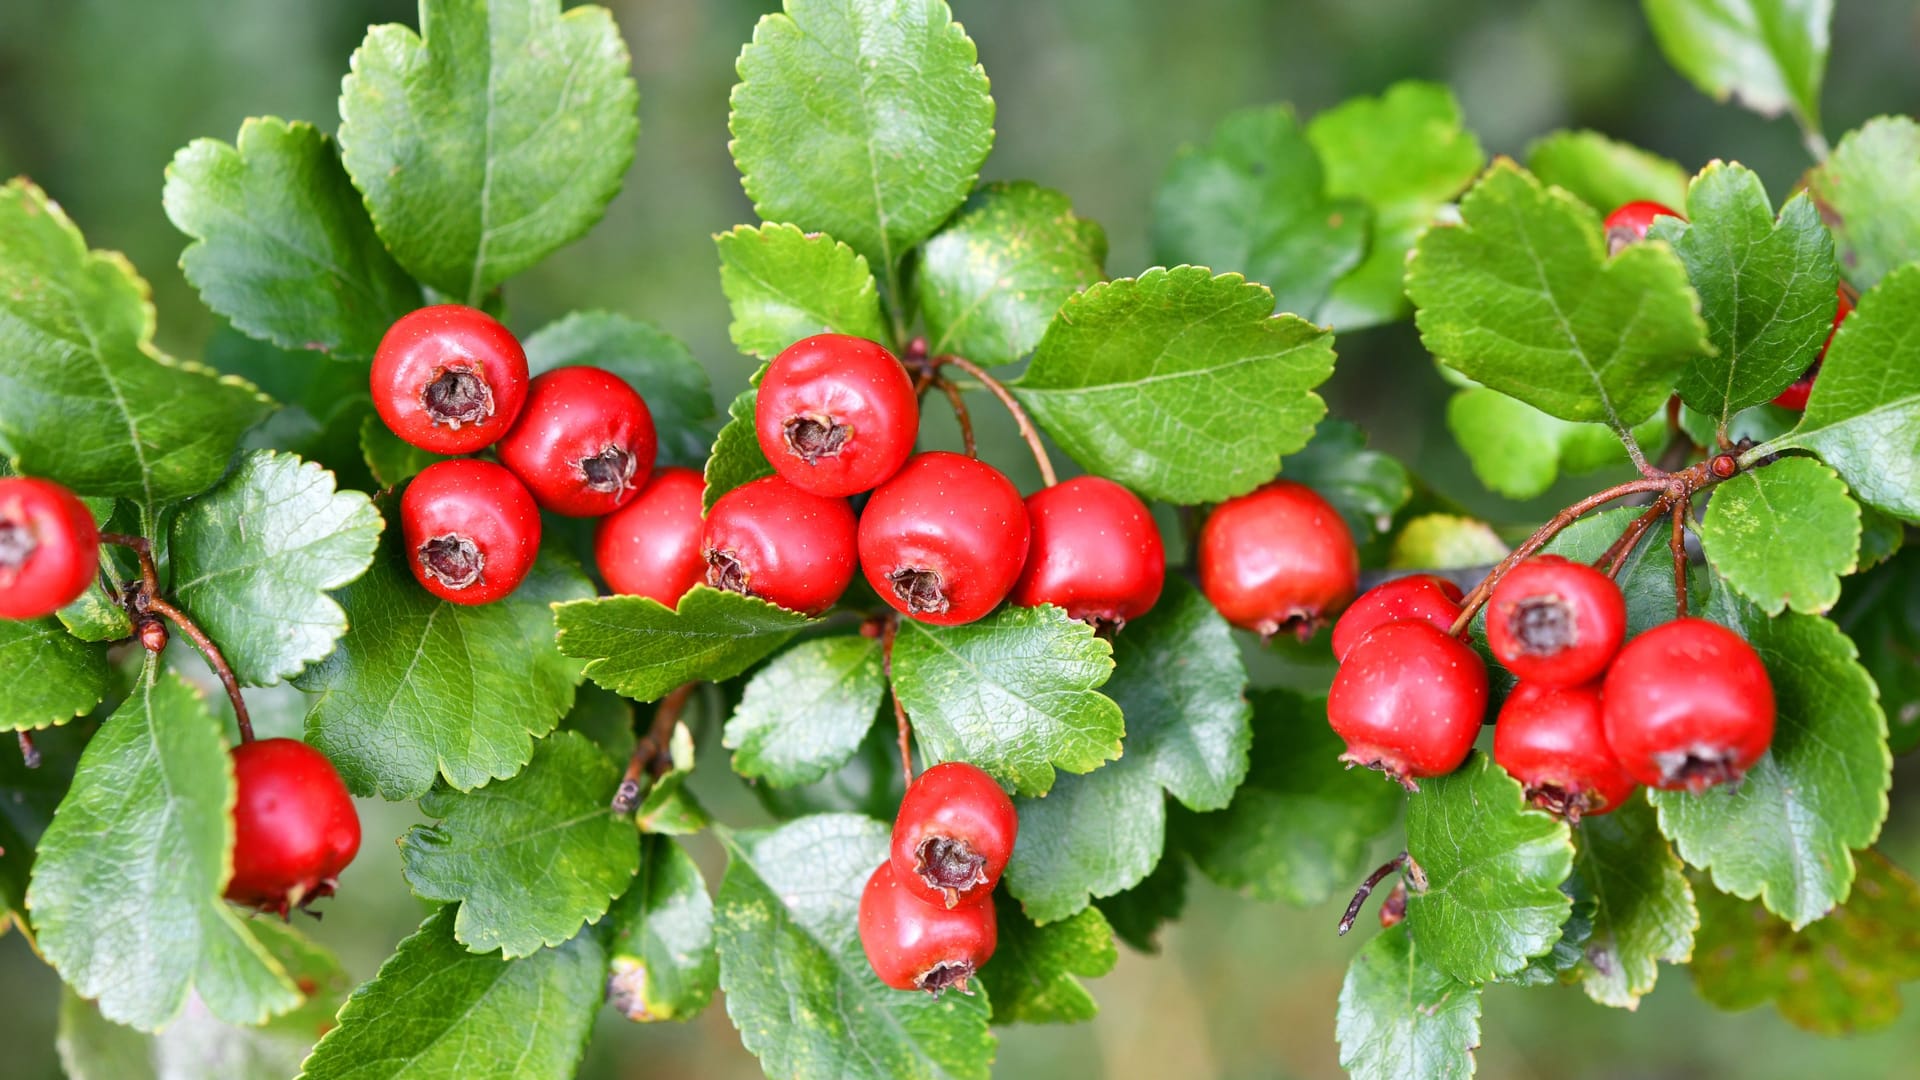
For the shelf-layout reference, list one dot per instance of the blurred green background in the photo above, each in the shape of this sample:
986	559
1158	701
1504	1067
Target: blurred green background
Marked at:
1095	97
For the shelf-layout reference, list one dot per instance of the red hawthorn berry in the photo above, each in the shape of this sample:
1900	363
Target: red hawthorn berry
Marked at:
1795	397
769	539
953	835
919	946
651	546
472	531
449	379
1552	740
294	826
584	444
1095	552
1280	558
1688	705
1555	622
49	547
836	415
1427	597
1629	224
1408	700
945	539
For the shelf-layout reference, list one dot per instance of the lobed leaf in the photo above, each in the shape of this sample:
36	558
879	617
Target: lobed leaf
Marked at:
1400	1015
1519	451
736	458
1783	535
1869	194
991	279
1031	978
1643	907
642	649
803	714
783	285
1606	174
50	676
1880	612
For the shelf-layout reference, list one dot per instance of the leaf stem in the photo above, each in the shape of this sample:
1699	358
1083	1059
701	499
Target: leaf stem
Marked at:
647	753
1020	417
147	599
29	753
1366	889
903	727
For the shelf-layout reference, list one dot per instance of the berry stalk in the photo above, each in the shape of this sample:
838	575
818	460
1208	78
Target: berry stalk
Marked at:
1020	417
650	753
146	599
902	726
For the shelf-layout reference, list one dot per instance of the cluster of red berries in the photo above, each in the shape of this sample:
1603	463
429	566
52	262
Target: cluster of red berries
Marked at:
926	916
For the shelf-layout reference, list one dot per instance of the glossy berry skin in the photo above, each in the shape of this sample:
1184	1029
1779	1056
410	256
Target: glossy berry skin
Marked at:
49	547
789	547
651	546
1095	552
1629	223
471	530
945	539
1795	397
1408	700
1278	559
836	415
449	379
953	836
919	946
1552	740
1426	597
294	826
1555	622
1688	705
584	444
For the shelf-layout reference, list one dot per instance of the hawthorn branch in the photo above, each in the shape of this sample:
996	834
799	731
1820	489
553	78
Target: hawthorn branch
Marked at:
902	726
146	599
1366	889
649	753
1612	560
1679	546
1020	417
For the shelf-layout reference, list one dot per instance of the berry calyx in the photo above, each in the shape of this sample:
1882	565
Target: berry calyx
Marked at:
953	835
584	444
1795	396
1629	223
49	547
1688	705
1095	552
1428	598
1408	700
1552	739
945	539
1278	559
294	826
836	414
786	546
917	946
1555	622
651	546
472	531
449	379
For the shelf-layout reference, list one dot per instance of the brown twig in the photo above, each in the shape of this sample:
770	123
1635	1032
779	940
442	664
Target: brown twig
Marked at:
1612	560
1679	545
1366	890
29	753
1020	417
651	749
960	413
147	598
903	727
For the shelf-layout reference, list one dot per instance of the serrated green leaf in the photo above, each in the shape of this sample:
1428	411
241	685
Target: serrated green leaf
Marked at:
1769	54
1180	683
436	1009
323	404
1402	1016
1445	542
870	783
1551	966
1493	868
1181	385
1031	978
804	714
663	963
1137	914
1881	537
491	138
640	648
783	284
1015	693
126	886
282	245
736	458
798	985
85	397
1881	613
1366	486
1090	836
992	278
1606	174
676	388
1783	535
1519	451
1869	193
1643	907
392	460
50	676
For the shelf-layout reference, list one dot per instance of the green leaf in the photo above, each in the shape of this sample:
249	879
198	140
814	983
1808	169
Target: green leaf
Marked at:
798	984
1181	385
1863	417
1839	976
1783	535
1643	907
1493	868
736	458
392	460
1091	836
992	278
1606	174
640	648
1766	288
1137	914
253	558
1302	827
421	688
50	676
1551	966
85	397
669	808
1869	193
1254	201
1031	978
652	361
436	1009
1881	537
1770	54
126	886
804	714
530	859
1445	542
1402	1016
863	119
1015	693
871	783
1784	832
1881	613
1405	154
1519	451
1366	486
490	139
663	966
282	245
1520	297
784	284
